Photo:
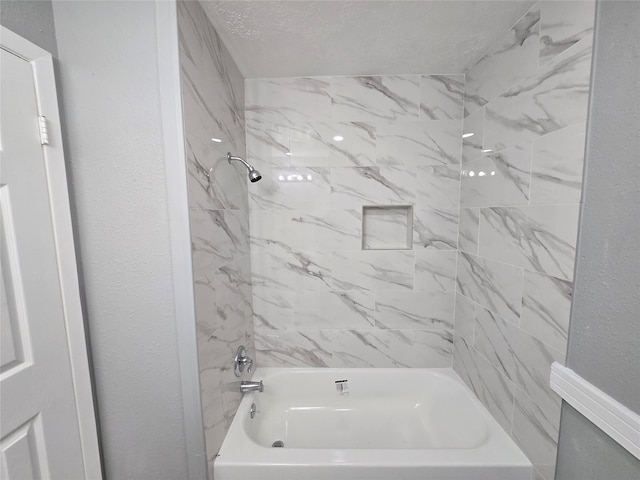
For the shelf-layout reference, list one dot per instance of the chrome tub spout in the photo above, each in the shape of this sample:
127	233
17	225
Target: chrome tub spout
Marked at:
246	387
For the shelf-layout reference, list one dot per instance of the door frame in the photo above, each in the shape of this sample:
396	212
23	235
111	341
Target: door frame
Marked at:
180	233
42	64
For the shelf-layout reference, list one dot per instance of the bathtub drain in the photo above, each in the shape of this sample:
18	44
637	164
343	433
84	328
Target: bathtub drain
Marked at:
278	444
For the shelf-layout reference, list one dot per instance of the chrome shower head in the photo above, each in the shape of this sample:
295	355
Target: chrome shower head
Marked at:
254	175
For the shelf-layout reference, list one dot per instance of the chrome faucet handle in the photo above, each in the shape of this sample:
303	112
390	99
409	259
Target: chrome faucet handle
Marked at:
249	365
241	361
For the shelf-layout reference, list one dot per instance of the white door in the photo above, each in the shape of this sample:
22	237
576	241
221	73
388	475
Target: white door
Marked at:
47	427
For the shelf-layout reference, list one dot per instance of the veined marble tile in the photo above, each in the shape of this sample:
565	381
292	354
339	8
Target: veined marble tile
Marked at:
231	285
552	99
212	408
216	347
468	225
535	430
213	100
222	67
438	186
375	99
213	107
436	142
323	230
334	310
500	178
358	186
435	229
213	94
190	28
435	271
373	270
202	120
542	238
250	342
267	144
306	348
222	85
224	293
465	317
493	389
473	136
441	96
563	24
546	309
270	227
328	230
392	348
291	188
558	160
414	310
512	57
231	396
205	305
333	144
285	101
218	237
223	188
281	267
525	360
496	286
272	308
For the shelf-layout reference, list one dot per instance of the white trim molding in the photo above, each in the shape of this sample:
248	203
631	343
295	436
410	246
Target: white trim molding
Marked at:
613	418
180	230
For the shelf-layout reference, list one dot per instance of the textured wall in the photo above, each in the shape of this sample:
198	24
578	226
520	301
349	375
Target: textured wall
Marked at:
31	19
108	82
604	340
587	453
213	101
605	331
327	146
361	37
523	152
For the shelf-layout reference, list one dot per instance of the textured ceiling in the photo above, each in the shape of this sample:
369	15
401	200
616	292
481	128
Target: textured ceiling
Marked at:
335	37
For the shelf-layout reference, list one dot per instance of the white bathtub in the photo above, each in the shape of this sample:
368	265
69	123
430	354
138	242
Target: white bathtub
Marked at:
388	424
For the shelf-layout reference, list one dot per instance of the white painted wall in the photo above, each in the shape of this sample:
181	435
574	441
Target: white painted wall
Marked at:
31	19
109	84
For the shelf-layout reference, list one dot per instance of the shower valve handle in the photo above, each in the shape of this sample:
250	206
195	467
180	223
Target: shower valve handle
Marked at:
241	361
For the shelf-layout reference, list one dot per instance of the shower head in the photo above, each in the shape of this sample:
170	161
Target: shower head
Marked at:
254	175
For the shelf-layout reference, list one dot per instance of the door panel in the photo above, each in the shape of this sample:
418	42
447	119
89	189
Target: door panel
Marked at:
12	307
39	429
21	456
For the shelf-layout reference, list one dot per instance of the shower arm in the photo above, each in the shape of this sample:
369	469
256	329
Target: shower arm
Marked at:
232	158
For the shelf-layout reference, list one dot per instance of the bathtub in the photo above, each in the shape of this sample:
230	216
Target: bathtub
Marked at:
366	424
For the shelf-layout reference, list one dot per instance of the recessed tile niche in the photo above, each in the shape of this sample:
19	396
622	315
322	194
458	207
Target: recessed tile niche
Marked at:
387	227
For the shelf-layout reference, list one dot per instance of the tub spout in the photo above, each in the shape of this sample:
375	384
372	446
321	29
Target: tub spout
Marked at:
246	387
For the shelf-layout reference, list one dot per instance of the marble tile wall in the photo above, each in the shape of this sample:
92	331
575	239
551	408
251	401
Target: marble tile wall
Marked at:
327	147
213	107
521	180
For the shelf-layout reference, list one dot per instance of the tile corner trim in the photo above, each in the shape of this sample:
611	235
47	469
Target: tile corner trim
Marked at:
613	418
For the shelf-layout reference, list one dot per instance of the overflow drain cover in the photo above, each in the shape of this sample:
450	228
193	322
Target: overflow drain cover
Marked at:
278	444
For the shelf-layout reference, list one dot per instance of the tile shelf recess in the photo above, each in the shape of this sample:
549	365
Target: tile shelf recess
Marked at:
387	227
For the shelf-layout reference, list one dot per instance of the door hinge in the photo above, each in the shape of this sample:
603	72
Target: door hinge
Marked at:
44	133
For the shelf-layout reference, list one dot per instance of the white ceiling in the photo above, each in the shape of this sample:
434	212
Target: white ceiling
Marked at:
338	37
